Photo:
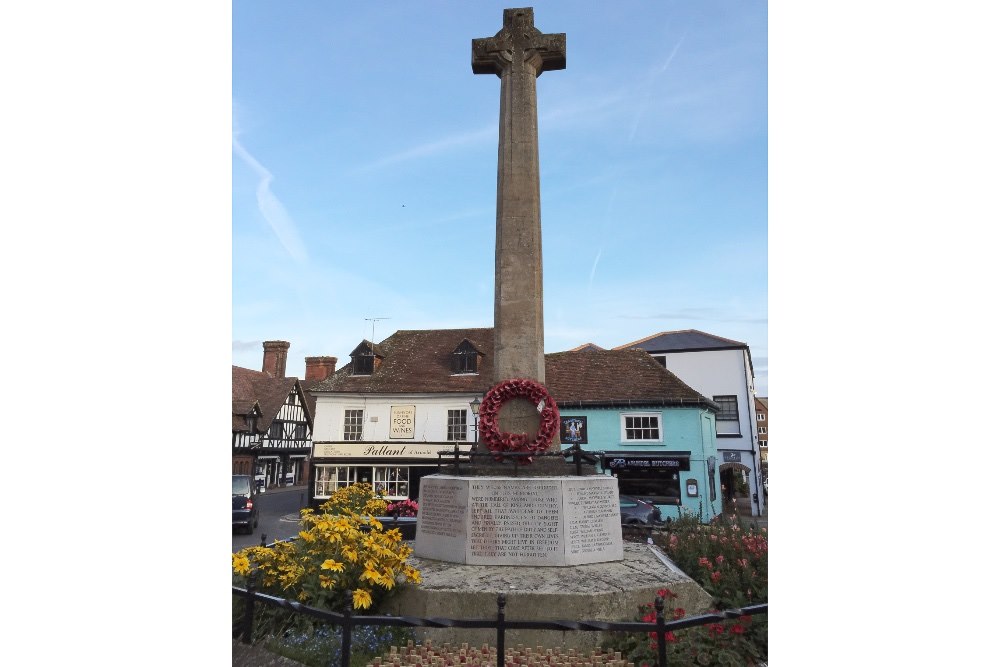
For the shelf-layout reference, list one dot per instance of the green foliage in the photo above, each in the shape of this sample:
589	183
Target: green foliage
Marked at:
727	558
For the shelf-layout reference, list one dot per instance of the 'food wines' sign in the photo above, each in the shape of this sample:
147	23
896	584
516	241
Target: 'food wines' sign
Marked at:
402	419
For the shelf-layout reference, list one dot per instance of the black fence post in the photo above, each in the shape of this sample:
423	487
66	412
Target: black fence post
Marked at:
577	460
501	627
661	633
263	539
346	631
246	636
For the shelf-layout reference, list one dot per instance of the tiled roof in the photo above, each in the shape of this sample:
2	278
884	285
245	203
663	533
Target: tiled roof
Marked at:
687	339
420	362
613	377
268	392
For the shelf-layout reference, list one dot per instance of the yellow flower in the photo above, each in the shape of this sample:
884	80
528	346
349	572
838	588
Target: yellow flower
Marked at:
412	575
307	536
362	599
371	575
330	564
326	582
241	564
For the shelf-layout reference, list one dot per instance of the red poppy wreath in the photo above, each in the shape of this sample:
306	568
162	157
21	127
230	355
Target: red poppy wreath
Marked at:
500	442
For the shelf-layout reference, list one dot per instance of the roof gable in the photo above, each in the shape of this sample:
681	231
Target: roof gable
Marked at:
267	393
586	347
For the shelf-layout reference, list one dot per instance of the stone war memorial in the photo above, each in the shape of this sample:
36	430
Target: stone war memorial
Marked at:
539	519
547	538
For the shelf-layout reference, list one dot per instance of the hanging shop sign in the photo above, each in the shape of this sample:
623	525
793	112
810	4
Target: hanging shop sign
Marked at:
402	421
573	430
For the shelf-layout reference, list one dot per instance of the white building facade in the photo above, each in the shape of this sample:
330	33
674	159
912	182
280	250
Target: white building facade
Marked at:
387	440
722	370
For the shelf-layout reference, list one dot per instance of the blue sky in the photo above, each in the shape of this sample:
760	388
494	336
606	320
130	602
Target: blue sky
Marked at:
364	173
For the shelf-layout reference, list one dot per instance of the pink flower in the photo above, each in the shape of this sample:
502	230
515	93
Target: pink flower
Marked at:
719	559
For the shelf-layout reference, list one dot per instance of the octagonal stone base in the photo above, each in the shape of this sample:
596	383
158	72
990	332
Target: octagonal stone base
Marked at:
535	521
609	591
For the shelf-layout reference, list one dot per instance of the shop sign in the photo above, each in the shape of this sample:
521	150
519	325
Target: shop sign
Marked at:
647	463
409	450
402	420
731	457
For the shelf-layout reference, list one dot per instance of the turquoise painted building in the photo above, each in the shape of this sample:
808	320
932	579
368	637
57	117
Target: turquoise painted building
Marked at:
648	428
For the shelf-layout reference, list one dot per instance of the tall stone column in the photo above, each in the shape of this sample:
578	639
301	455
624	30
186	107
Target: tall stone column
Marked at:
518	54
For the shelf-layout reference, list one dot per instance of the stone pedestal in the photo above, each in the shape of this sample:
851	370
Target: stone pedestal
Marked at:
536	521
597	592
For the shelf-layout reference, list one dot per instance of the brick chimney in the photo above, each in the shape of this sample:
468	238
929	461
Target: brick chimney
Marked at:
320	368
275	356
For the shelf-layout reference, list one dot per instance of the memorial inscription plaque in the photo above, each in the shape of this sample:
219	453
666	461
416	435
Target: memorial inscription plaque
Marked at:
547	521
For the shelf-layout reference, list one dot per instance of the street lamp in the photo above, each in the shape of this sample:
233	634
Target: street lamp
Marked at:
474	406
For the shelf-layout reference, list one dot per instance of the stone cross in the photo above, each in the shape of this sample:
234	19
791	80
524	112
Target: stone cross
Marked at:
518	54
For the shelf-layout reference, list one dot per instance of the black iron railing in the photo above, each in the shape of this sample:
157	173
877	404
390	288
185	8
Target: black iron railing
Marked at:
455	458
347	621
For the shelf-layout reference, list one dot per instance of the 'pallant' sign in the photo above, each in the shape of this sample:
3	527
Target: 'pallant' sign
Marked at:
402	419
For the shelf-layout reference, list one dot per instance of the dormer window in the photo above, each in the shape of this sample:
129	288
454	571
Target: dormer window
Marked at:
363	359
465	358
363	364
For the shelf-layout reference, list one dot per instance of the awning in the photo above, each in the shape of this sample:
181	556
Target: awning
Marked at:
625	460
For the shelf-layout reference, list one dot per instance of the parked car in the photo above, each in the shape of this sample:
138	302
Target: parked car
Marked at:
245	510
636	510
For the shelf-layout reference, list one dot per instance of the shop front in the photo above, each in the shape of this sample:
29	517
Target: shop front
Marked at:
651	476
393	469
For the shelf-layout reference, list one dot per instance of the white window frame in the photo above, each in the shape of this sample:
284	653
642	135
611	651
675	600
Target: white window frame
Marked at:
360	425
330	478
624	428
391	482
761	430
452	429
761	416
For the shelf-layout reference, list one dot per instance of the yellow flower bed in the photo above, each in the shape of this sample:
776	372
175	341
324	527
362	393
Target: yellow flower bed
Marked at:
342	550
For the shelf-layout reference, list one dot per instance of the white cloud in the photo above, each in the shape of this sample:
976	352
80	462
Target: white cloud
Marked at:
271	207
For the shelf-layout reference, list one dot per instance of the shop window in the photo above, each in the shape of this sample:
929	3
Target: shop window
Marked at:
353	422
392	482
641	427
657	486
458	427
330	478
